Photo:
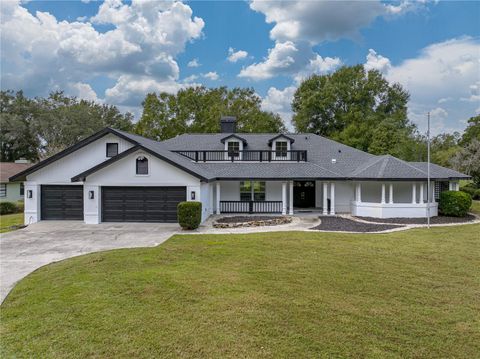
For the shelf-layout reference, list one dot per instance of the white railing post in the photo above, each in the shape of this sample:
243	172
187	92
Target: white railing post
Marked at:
290	207
218	198
284	198
332	198
325	194
390	193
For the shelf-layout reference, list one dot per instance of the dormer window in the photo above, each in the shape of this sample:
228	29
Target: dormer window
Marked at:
233	148
142	165
112	149
281	148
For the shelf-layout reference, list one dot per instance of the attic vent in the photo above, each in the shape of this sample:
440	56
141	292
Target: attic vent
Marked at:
334	160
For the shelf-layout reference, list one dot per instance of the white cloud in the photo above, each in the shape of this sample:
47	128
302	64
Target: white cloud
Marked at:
40	53
193	63
279	101
190	78
290	59
83	91
212	75
444	73
377	62
234	56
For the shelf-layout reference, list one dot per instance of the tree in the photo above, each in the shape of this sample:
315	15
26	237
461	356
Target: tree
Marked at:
199	109
40	127
444	147
355	107
467	160
472	131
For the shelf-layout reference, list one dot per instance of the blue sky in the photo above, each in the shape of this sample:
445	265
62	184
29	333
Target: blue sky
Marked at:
116	52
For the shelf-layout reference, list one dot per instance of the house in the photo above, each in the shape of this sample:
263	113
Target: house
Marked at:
12	191
115	176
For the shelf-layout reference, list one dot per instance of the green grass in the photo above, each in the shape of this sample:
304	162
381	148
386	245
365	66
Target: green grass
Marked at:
475	207
8	220
274	295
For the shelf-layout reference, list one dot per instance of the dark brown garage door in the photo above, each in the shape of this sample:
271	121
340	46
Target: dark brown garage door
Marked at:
61	202
141	204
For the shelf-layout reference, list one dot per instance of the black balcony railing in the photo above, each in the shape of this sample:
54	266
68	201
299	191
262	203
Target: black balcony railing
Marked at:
245	156
251	206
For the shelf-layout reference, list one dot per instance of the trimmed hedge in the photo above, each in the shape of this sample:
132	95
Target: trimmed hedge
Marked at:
472	191
8	207
189	214
454	203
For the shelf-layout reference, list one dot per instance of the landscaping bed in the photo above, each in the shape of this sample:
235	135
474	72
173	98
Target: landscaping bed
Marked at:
340	224
433	220
251	221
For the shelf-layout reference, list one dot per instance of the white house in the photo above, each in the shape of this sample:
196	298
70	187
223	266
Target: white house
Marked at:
114	176
12	191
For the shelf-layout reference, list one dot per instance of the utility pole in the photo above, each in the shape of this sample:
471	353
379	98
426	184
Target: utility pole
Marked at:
428	171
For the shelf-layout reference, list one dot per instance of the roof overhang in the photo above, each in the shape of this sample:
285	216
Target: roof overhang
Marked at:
225	139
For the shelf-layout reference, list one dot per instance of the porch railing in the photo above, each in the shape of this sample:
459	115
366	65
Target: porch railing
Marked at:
245	156
251	206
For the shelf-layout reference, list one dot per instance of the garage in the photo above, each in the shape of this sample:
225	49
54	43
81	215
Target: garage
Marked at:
141	204
61	202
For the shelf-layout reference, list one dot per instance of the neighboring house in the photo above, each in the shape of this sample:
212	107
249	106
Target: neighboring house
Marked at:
114	176
12	191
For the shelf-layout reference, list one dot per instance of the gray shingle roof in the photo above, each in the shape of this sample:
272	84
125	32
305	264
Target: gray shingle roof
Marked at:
349	163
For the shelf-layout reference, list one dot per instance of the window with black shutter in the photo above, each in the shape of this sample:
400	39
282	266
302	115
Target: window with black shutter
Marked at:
112	149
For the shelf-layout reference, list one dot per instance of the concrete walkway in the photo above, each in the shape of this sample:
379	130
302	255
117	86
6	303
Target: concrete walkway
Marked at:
25	250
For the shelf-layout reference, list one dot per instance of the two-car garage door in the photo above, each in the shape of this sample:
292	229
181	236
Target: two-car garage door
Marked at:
141	204
119	204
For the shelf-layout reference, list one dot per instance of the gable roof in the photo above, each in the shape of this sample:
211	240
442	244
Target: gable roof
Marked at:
280	136
9	169
223	140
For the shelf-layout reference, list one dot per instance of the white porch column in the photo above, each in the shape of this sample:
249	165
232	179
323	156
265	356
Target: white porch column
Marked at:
332	198
414	192
217	209
421	192
359	193
284	198
390	193
383	193
325	194
290	197
210	210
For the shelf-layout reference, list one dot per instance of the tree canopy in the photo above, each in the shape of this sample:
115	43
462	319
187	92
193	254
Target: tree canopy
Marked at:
39	127
356	107
198	109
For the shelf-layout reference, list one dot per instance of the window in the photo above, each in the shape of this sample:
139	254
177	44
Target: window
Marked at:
252	191
142	165
22	189
3	190
112	149
281	148
233	149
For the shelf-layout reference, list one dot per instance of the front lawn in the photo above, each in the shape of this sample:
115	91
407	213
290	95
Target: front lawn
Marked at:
278	295
8	220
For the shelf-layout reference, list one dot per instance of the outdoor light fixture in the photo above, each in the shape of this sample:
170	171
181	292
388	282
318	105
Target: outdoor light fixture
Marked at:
91	194
192	195
29	193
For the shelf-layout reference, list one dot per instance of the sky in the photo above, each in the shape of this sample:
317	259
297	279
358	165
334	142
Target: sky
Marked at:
116	52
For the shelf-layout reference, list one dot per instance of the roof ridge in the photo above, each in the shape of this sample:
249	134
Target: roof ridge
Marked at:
361	169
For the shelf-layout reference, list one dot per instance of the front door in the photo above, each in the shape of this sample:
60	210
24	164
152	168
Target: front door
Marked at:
304	194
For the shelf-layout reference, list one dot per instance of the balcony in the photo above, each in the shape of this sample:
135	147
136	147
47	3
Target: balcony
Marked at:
245	156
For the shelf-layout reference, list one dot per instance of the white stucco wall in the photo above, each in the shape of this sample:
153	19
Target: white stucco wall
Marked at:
274	191
13	192
62	170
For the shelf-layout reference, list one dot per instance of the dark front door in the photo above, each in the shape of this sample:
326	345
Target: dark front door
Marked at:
304	194
141	204
61	202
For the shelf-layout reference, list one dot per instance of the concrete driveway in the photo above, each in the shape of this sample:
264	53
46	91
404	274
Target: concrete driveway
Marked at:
23	251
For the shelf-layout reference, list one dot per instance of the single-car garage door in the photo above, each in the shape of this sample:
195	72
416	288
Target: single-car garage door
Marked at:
141	204
61	202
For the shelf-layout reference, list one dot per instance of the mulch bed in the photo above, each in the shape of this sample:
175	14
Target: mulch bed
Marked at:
340	224
433	220
244	219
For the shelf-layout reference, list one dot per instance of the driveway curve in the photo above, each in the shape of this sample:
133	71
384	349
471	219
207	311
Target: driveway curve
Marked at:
25	250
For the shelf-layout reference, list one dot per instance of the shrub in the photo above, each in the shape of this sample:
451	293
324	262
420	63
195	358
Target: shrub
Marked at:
476	195
189	214
20	207
7	207
469	189
454	203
